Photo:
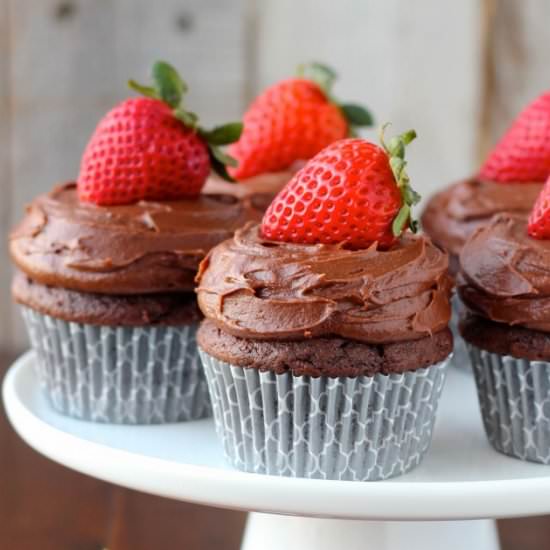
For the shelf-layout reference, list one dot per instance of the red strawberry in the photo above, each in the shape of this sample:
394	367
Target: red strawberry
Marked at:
352	192
293	120
539	219
151	148
523	152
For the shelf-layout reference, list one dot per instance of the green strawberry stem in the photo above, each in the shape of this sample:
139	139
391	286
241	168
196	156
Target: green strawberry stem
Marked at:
169	87
395	148
325	77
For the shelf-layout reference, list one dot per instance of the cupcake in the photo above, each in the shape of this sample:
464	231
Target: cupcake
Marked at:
509	181
325	337
106	265
505	284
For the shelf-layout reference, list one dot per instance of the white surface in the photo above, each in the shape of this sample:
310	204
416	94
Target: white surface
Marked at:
273	532
461	478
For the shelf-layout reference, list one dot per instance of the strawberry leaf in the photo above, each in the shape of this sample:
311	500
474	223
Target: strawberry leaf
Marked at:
357	115
147	91
395	148
223	135
224	158
168	84
397	165
408	136
319	73
411	196
187	117
219	162
401	220
322	75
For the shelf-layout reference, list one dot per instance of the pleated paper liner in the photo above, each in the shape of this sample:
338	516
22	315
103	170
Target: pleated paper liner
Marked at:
363	429
514	397
122	375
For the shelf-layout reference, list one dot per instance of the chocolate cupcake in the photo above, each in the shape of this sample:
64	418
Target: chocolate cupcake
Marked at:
509	181
324	349
107	295
505	284
106	266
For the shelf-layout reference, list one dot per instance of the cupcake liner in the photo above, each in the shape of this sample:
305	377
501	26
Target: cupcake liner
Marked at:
460	352
514	397
122	375
363	429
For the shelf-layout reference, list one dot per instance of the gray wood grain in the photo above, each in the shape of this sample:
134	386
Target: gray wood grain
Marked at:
5	179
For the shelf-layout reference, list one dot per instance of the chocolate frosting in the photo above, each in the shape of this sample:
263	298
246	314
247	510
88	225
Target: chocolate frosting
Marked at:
269	184
260	289
505	274
452	215
147	247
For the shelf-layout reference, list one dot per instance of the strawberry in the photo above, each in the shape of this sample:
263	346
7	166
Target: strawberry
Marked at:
523	152
538	225
151	148
353	192
293	120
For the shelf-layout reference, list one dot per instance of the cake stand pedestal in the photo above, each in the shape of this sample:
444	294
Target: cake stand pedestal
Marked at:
271	532
461	478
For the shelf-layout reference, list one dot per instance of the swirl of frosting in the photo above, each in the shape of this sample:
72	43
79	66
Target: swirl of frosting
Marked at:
452	215
505	274
146	247
260	289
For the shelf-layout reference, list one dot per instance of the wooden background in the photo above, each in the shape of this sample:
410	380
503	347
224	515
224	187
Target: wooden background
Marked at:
456	71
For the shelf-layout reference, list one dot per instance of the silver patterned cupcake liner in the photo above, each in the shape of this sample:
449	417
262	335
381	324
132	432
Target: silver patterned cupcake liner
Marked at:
460	352
514	397
122	375
361	429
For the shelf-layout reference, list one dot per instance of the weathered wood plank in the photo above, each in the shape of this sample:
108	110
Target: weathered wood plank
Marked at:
414	63
517	66
44	505
63	79
5	180
71	60
144	522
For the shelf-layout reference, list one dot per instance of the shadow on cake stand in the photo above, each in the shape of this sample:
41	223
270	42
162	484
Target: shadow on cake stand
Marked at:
443	502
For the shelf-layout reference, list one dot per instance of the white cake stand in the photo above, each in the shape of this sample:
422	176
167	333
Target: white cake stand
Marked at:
462	478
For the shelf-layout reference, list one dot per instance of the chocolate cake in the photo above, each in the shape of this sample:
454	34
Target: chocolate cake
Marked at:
107	294
505	283
276	306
